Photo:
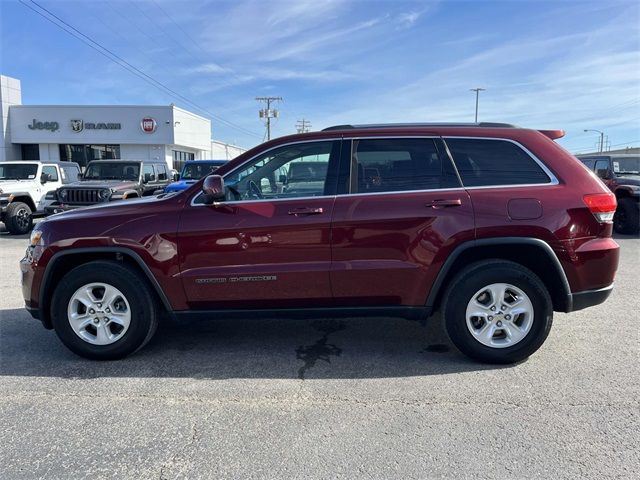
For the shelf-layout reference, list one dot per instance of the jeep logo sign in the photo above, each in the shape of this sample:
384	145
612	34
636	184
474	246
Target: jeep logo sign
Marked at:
51	126
148	125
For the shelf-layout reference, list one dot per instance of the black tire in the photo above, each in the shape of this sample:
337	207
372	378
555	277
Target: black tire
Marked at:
472	279
19	218
627	217
142	300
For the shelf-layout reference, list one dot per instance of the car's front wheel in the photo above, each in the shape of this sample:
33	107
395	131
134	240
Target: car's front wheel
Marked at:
18	218
497	311
104	310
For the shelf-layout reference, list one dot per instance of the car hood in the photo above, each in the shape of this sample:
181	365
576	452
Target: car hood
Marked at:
621	180
180	185
9	186
113	184
109	208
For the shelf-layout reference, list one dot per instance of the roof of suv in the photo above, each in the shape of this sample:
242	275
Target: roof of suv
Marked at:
412	125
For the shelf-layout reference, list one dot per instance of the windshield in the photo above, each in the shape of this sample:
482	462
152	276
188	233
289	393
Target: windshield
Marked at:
626	164
102	170
18	171
195	171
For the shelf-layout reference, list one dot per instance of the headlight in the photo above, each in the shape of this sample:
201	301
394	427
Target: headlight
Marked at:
36	235
104	194
62	194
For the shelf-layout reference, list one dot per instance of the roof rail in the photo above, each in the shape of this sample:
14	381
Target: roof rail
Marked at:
408	125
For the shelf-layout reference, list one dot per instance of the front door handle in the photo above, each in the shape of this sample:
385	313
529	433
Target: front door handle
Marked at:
441	203
306	211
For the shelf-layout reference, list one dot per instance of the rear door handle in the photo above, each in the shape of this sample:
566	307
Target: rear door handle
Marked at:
441	203
306	211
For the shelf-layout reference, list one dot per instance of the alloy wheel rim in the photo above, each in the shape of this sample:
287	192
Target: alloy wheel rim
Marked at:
22	218
99	313
499	315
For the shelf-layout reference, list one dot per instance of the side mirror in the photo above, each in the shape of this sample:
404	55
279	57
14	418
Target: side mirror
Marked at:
146	178
80	175
603	173
176	177
283	179
213	189
44	178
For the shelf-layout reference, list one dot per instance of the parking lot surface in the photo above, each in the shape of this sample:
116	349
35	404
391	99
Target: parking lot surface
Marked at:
375	398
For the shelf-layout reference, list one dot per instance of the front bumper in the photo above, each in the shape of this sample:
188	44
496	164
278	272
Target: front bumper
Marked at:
59	208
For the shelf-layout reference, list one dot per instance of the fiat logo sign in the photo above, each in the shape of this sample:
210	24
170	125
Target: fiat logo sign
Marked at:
148	125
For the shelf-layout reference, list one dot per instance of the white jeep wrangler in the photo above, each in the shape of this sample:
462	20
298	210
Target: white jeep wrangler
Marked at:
24	186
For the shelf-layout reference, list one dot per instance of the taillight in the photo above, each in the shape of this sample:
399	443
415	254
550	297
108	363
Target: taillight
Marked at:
602	205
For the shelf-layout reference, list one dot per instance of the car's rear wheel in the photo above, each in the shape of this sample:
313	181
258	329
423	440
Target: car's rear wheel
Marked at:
497	311
104	310
18	218
627	217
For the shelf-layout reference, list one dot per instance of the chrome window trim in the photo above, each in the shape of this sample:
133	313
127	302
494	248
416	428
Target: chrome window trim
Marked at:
553	180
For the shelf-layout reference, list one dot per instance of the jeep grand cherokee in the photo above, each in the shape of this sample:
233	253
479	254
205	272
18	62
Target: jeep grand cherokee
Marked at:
495	226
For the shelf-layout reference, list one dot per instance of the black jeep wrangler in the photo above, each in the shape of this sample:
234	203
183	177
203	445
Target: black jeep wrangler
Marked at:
621	173
110	180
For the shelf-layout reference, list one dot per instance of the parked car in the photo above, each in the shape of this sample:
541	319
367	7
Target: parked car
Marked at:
621	173
193	171
110	180
494	226
23	187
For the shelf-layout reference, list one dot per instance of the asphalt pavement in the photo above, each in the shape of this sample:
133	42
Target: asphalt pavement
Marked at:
375	398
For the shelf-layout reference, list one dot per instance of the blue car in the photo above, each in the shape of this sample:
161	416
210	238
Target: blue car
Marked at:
193	171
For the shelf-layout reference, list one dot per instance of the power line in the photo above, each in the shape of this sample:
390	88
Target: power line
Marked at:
74	32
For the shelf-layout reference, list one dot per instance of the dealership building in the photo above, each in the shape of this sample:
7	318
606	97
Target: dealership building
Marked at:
81	133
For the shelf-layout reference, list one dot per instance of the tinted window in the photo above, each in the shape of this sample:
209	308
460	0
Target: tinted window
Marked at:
162	172
148	169
52	171
602	168
589	162
494	162
18	171
391	165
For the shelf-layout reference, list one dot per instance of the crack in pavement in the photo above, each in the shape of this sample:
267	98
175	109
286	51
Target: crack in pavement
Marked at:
321	350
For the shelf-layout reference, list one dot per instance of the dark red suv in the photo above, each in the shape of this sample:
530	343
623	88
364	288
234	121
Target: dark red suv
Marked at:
494	226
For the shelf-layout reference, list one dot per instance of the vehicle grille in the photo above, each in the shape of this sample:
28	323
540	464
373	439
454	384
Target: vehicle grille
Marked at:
82	196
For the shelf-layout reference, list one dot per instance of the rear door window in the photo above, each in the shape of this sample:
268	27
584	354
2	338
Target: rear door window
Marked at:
489	162
399	164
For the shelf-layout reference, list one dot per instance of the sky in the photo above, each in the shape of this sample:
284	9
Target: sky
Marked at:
572	65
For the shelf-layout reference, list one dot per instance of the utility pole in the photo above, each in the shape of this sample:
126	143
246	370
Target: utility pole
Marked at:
601	137
268	112
303	126
477	90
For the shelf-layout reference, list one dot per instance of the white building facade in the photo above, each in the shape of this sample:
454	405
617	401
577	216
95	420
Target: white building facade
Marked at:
82	133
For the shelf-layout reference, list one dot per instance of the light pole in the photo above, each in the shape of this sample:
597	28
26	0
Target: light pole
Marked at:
601	137
477	90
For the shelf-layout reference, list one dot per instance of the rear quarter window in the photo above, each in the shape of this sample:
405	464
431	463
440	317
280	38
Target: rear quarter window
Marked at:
486	162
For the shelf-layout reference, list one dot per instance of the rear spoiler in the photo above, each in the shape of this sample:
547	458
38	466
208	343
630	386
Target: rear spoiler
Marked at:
553	134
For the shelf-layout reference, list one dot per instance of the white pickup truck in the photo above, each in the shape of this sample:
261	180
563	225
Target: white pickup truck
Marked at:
24	186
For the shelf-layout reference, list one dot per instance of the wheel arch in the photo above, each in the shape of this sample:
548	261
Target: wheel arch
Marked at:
533	253
64	261
24	197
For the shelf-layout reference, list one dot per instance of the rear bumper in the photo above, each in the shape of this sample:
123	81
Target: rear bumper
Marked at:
589	298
